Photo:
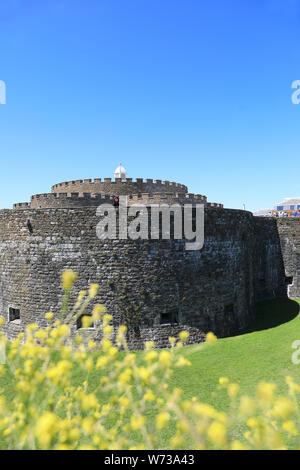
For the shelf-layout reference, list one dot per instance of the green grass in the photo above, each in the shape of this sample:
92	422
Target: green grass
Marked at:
262	353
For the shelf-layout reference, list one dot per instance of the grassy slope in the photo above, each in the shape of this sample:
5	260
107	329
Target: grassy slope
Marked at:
263	353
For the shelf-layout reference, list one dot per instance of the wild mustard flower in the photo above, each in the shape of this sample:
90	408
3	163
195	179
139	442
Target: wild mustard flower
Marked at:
151	356
165	358
217	434
49	316
223	381
93	291
149	396
247	406
183	335
102	362
265	392
89	364
149	345
68	278
91	345
98	311
290	427
162	419
46	428
48	411
211	338
283	407
86	321
182	362
137	422
233	389
238	445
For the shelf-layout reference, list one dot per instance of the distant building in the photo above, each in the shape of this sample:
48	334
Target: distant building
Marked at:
289	206
263	213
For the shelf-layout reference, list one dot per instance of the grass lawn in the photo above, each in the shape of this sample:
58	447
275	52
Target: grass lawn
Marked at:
262	353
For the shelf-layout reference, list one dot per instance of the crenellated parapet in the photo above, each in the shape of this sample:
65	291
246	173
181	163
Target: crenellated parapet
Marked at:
215	204
167	198
89	193
75	199
21	205
61	200
119	186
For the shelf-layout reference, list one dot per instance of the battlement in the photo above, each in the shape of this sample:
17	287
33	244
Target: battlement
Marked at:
215	204
86	199
21	205
119	186
73	199
93	192
166	198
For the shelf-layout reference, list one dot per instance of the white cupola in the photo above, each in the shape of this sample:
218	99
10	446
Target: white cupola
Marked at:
120	172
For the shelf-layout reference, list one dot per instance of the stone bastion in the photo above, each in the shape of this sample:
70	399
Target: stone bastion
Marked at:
156	287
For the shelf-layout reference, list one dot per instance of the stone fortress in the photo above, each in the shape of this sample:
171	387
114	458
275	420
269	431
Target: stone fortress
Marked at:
156	287
88	193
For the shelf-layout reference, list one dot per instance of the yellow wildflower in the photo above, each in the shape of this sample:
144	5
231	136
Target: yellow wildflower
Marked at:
151	356
233	390
265	392
165	358
68	278
223	381
162	419
46	427
216	433
93	290
290	427
137	421
247	406
183	335
149	396
211	338
49	316
283	407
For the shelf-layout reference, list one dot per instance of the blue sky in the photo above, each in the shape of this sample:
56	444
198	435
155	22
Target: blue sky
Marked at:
197	92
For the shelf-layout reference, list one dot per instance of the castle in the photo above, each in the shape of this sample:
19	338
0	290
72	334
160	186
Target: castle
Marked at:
156	287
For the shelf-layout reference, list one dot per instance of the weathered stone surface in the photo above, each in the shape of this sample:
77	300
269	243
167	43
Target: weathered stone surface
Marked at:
108	186
214	289
289	232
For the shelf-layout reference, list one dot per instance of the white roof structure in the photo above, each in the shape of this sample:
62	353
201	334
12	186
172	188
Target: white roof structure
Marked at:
263	213
120	172
288	202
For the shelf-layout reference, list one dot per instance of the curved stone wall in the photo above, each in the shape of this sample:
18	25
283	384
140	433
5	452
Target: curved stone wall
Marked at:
65	200
119	187
57	200
142	282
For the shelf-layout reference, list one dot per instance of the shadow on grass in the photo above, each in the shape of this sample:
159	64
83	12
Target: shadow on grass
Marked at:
272	313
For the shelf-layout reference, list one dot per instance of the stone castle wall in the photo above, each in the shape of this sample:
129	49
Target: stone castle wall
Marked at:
141	281
269	273
91	193
119	187
289	232
66	200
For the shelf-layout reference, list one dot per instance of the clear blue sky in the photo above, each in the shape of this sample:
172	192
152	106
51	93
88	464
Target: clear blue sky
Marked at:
193	91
